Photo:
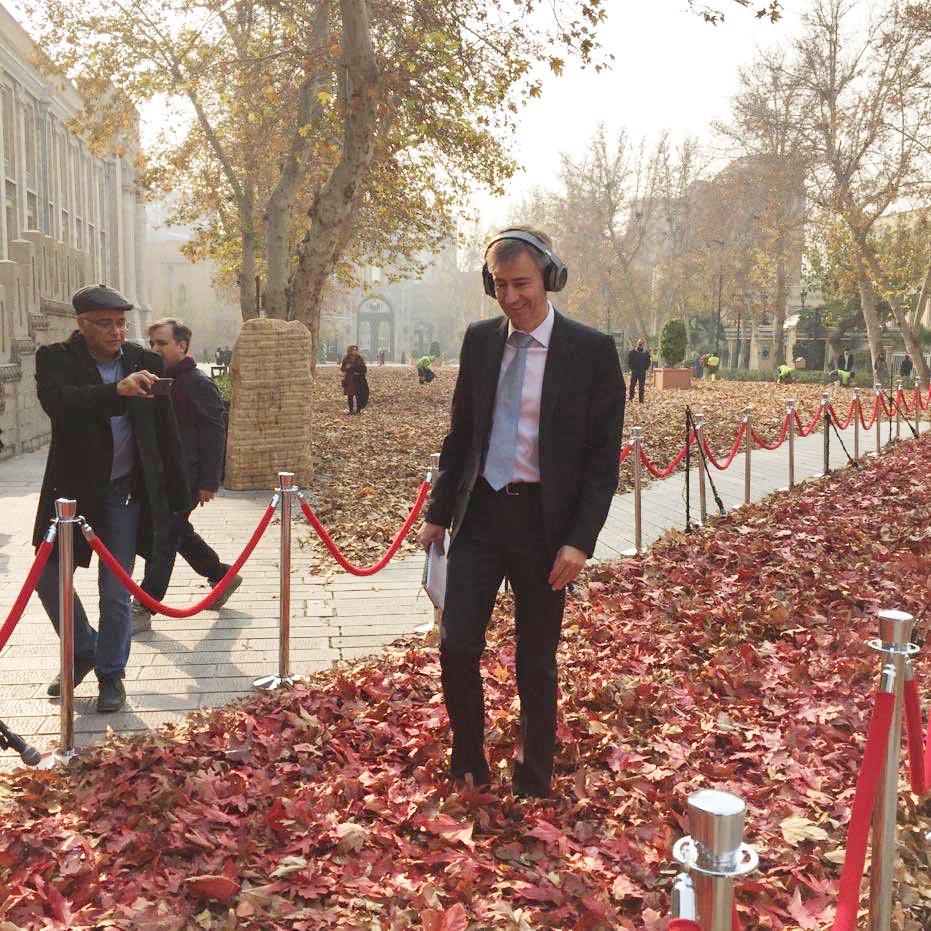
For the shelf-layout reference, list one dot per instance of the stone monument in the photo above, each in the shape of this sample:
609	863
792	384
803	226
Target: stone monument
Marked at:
270	406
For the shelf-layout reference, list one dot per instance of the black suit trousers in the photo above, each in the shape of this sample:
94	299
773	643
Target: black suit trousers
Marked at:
502	535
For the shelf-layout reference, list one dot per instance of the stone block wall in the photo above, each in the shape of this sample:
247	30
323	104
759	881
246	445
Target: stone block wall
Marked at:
270	408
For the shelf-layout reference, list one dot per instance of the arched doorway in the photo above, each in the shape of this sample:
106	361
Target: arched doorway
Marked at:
375	327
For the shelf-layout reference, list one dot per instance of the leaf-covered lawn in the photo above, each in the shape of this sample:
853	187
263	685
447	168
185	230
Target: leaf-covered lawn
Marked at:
367	469
734	659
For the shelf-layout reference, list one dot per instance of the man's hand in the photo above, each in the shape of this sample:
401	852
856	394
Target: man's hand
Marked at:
569	563
203	496
137	385
435	534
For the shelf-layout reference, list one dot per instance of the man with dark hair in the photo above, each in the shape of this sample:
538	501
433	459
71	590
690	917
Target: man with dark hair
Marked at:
115	449
638	364
202	422
527	474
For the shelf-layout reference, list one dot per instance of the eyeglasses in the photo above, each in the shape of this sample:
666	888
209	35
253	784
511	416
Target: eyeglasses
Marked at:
108	325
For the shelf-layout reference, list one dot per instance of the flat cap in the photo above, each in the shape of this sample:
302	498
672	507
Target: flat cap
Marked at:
98	297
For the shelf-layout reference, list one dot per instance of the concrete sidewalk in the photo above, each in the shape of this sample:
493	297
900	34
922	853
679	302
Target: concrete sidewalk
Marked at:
213	657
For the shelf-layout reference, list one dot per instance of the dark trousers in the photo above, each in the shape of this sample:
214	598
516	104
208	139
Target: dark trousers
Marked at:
180	538
637	378
350	400
108	647
501	535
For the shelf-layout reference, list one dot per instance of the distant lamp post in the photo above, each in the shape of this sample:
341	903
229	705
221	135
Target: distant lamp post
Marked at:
717	329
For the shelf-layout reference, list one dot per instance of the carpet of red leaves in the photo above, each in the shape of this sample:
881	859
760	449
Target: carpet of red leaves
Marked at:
734	658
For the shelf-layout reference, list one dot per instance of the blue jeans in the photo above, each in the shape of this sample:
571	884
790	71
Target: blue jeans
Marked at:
117	530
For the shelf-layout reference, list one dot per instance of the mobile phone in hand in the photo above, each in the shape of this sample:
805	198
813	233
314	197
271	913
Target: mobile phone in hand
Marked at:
161	387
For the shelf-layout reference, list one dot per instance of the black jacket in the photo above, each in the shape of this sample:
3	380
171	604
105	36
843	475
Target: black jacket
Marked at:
638	360
581	419
79	405
202	423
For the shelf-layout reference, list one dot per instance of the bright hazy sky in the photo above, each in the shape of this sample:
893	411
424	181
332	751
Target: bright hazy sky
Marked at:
671	71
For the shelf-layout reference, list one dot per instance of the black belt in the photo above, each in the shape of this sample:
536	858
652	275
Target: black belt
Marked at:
512	489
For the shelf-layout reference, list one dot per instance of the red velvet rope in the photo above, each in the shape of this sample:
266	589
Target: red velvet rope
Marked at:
16	612
735	448
683	924
782	436
398	540
807	431
625	452
665	473
107	558
858	831
851	412
919	753
868	426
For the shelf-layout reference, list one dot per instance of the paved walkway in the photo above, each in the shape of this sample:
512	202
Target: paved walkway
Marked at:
212	658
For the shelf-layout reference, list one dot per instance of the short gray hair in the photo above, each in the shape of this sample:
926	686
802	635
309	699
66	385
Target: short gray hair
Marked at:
506	250
180	331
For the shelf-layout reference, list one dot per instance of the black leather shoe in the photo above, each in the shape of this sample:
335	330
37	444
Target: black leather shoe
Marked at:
524	791
82	666
112	695
235	582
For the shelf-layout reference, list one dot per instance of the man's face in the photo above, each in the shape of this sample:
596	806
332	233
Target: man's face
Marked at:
164	343
103	331
520	292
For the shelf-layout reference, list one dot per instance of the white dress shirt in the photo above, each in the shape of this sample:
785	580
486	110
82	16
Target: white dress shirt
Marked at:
527	462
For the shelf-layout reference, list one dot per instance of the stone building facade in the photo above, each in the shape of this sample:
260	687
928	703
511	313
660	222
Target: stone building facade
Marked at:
68	219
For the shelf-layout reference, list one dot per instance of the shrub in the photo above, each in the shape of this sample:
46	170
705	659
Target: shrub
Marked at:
672	343
802	376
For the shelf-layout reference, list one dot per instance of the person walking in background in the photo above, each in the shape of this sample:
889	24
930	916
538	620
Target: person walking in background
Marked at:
638	364
116	449
381	356
906	368
527	474
355	383
201	417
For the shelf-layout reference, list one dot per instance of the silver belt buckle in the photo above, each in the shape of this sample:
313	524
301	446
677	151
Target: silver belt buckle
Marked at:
511	491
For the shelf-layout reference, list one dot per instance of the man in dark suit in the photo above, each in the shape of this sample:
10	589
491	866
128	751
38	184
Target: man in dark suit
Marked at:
526	477
115	449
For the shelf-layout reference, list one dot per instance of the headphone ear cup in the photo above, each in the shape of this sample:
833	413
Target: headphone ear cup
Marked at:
488	281
554	278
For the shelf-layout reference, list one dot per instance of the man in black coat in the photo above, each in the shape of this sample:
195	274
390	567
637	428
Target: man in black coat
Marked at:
115	448
202	424
527	474
638	364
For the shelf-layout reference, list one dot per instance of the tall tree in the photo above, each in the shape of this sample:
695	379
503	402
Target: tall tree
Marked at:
869	134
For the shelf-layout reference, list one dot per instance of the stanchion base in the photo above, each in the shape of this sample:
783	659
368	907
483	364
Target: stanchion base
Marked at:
633	551
57	758
273	683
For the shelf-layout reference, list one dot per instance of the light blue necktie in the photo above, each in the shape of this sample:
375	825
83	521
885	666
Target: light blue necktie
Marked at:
502	447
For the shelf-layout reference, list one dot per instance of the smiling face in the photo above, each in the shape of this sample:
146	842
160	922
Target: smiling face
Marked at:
519	290
162	340
104	332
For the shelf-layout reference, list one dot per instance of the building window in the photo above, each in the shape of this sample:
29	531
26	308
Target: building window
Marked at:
9	131
12	227
32	169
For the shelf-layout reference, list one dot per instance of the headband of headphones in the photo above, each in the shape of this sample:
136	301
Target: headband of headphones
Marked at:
554	274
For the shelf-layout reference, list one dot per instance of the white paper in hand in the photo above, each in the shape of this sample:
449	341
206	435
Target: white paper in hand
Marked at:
434	574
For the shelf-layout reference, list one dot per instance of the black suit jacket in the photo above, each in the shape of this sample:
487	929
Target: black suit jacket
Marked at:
80	405
581	419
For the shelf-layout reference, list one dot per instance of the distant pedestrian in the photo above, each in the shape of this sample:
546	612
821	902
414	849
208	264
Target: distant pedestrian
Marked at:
906	368
712	364
638	362
845	361
381	356
424	373
785	374
698	366
355	384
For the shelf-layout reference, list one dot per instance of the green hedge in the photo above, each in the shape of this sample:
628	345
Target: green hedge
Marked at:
802	376
223	383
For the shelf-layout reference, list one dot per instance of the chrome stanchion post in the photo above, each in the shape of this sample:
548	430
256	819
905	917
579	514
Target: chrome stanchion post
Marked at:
65	510
636	443
826	426
715	855
748	446
917	407
895	646
899	398
432	472
878	389
790	411
700	443
682	904
857	411
285	491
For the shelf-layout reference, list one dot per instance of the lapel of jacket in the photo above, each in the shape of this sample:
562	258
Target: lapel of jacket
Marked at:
555	373
488	383
84	359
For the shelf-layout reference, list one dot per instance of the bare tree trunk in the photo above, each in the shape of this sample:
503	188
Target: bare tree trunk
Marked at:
293	173
247	265
923	299
912	343
779	311
335	207
868	302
